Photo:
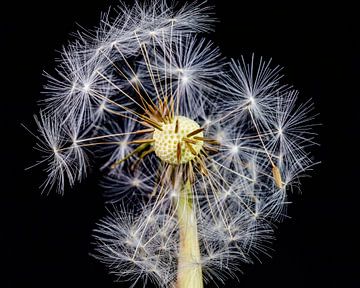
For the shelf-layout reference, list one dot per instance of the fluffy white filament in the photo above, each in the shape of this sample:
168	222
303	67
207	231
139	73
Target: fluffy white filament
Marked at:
92	105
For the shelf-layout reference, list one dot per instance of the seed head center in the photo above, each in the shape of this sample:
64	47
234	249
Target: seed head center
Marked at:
173	145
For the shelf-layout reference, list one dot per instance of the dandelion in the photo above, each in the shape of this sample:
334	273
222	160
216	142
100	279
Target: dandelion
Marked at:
198	152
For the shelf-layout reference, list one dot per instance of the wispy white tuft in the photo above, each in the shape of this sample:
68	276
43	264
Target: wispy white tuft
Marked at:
141	69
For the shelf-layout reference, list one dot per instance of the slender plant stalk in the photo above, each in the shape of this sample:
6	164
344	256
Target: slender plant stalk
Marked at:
189	267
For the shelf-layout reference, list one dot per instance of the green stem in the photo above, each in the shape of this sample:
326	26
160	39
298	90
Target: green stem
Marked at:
189	267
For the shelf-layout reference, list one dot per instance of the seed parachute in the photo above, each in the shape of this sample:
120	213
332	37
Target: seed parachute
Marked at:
205	148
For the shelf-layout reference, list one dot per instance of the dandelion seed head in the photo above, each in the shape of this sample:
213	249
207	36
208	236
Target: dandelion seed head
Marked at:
172	138
150	98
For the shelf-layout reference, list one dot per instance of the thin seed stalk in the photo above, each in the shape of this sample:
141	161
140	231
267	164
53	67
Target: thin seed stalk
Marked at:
189	274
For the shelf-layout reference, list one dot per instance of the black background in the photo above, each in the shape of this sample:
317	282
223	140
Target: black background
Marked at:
47	238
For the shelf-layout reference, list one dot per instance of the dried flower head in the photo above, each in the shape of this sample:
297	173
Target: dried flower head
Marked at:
205	148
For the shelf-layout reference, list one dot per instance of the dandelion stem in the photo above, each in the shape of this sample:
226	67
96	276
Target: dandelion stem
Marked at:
189	267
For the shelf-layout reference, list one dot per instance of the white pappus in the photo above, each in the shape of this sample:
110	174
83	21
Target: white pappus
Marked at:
198	151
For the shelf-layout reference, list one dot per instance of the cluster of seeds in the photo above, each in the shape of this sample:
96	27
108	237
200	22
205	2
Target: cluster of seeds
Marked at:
204	147
176	136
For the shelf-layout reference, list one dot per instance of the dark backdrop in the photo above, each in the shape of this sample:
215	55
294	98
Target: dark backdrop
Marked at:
47	237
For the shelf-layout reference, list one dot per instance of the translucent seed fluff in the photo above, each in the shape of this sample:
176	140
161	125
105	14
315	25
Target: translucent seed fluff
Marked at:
198	151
